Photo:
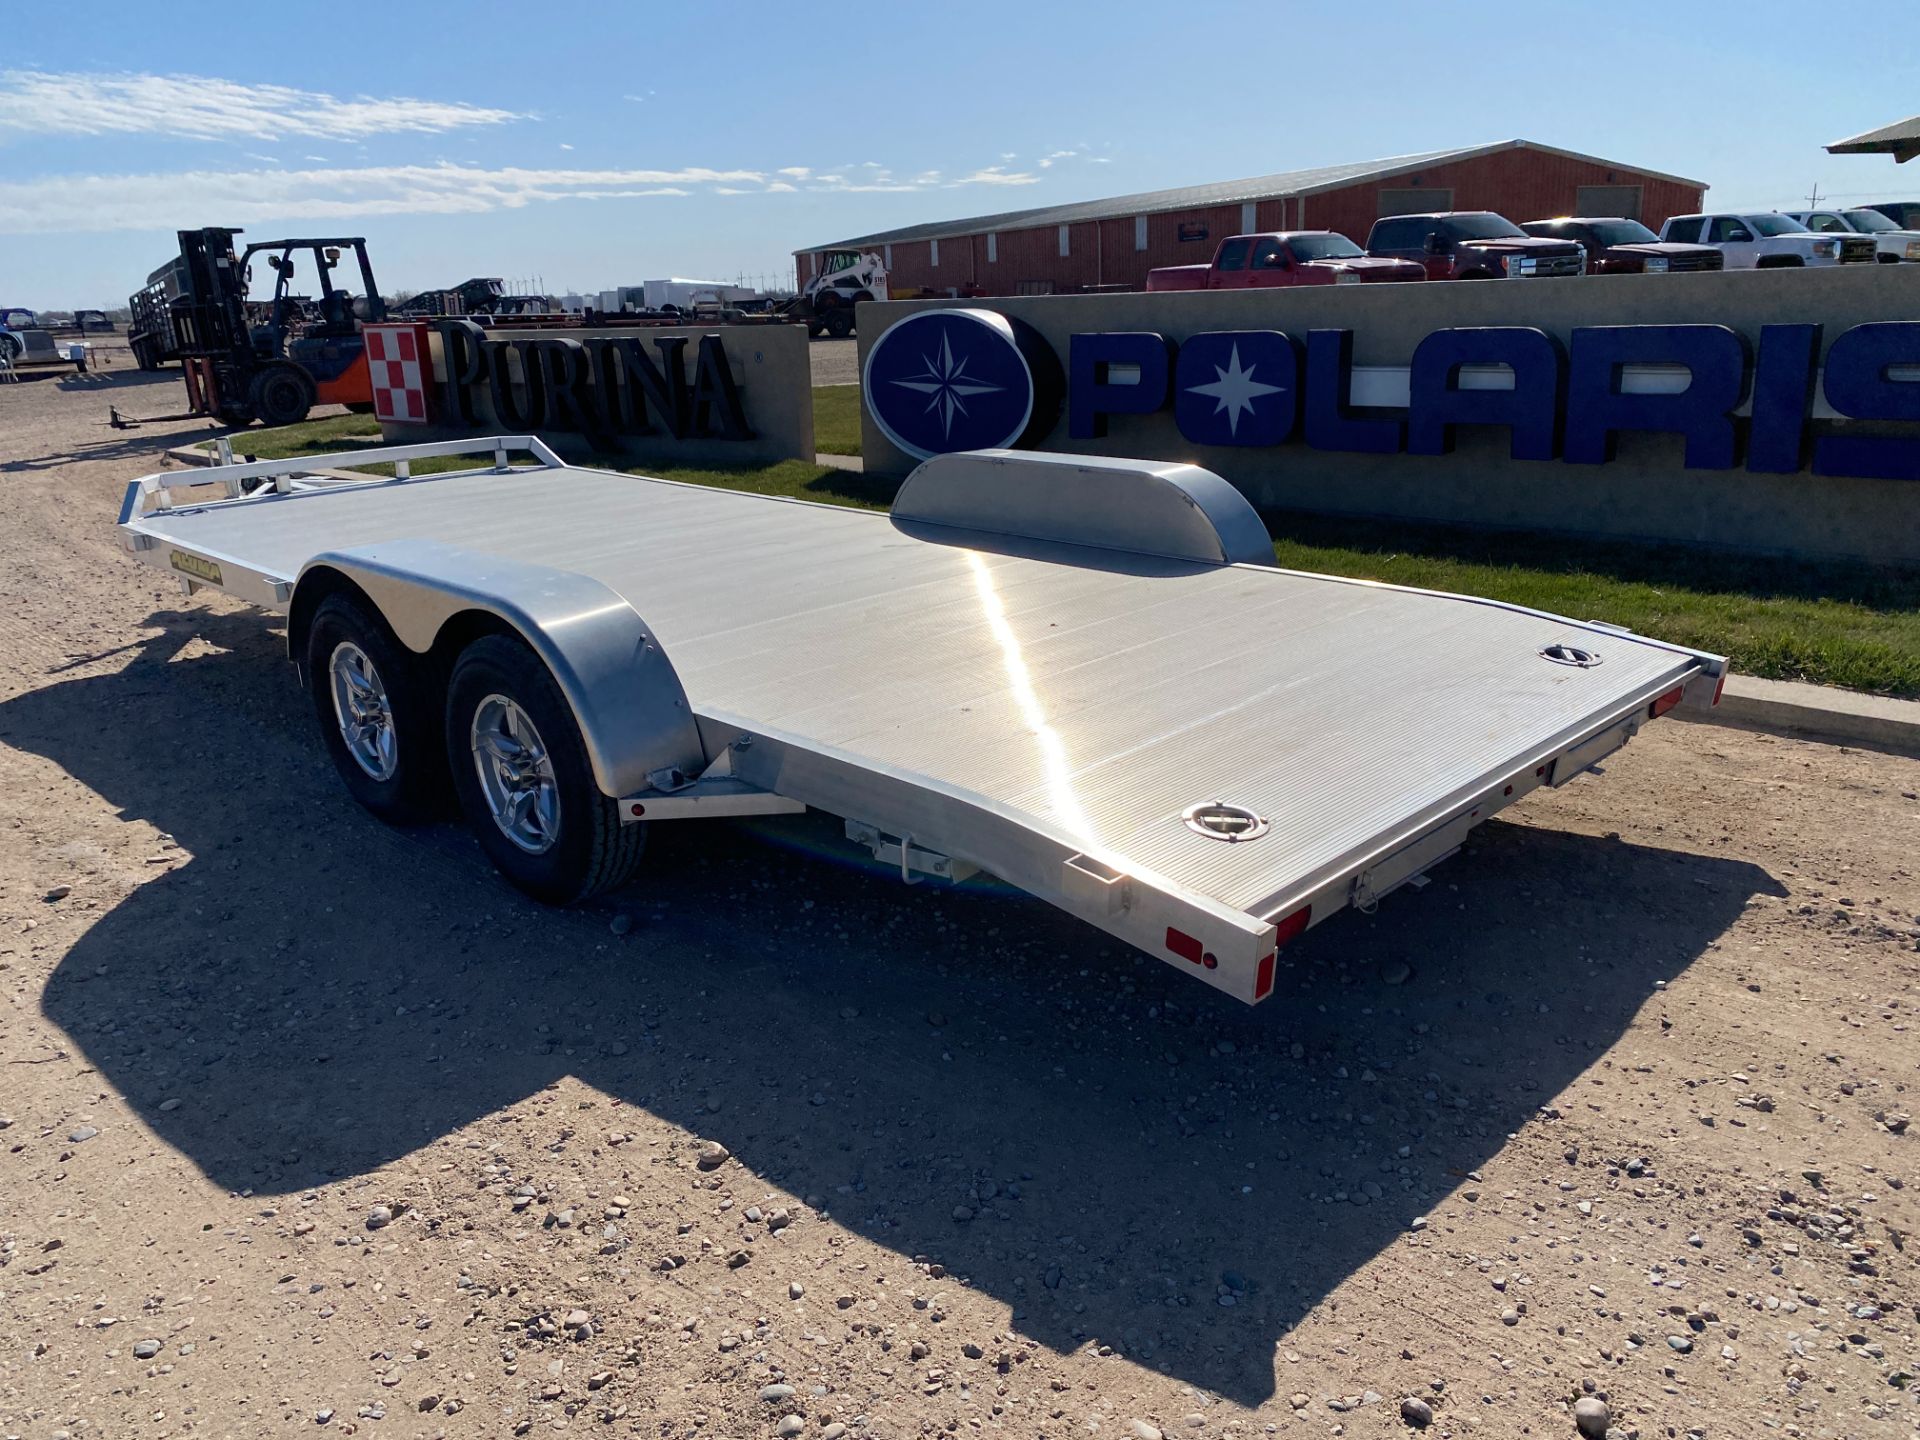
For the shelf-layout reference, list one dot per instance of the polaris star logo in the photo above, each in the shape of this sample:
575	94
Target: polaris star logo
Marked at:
947	380
1234	390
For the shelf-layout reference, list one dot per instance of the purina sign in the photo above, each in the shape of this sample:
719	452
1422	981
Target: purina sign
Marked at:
1771	419
716	395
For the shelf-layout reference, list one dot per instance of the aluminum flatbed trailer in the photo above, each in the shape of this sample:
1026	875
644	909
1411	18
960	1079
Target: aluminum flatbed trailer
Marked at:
1084	676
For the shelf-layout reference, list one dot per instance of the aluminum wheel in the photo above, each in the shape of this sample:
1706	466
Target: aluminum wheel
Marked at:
516	774
363	710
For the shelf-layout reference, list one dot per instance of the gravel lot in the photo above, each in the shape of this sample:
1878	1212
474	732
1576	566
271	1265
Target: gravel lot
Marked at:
835	362
311	1125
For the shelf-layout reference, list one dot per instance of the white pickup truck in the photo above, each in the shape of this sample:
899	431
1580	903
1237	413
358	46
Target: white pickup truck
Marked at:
1893	244
1764	241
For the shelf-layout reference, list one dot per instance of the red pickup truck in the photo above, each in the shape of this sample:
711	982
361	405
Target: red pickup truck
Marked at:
1293	257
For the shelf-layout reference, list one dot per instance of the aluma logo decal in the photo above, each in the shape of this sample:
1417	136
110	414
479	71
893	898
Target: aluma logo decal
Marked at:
196	567
947	380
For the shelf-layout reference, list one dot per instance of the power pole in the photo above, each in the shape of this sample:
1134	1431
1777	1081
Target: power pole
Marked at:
1813	200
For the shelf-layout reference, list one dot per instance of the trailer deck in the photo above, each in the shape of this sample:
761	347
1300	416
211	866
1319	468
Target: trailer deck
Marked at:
1202	757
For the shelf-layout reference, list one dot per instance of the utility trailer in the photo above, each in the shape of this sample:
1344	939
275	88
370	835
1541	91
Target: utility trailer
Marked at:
1082	675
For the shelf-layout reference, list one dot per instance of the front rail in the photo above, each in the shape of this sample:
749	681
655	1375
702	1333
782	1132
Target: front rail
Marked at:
152	493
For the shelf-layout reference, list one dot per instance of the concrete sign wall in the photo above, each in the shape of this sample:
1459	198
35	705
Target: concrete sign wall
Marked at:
1774	411
710	396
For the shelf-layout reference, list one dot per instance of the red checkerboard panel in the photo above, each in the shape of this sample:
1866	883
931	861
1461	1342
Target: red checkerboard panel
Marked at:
398	371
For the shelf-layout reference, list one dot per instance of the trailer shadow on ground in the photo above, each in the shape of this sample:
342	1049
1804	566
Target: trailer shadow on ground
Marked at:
969	1078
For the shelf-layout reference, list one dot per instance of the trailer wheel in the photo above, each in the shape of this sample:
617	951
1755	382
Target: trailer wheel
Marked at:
145	354
375	725
282	394
839	323
521	773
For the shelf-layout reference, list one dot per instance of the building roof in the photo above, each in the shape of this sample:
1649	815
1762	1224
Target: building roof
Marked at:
1900	140
1288	183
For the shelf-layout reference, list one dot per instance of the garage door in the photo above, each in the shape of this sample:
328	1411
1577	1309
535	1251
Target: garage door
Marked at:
1415	202
1621	200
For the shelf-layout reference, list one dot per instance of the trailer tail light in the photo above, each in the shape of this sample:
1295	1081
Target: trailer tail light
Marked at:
1718	686
1289	928
1263	978
1666	702
1185	946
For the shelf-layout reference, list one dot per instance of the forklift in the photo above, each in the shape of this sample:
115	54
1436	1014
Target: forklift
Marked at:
272	361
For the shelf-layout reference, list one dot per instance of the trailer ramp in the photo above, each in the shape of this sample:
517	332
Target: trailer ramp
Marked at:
1199	754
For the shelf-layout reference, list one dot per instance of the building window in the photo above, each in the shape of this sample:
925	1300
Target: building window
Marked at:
1414	202
933	253
1249	217
886	256
1066	241
993	248
1139	232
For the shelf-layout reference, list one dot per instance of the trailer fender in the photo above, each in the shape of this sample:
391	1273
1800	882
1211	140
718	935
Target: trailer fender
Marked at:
626	696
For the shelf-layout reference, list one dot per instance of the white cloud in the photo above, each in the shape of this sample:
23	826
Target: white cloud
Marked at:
63	203
197	107
995	175
565	146
57	204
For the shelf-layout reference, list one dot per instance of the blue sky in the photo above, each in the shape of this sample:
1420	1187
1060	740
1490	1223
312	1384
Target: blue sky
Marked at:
641	140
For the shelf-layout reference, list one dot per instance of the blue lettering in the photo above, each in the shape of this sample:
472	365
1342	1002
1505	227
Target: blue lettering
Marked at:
1094	395
1530	410
1330	422
1859	387
1597	409
1782	398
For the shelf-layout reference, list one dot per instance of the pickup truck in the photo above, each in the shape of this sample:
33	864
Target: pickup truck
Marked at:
1473	245
1763	241
1893	244
1291	257
1617	246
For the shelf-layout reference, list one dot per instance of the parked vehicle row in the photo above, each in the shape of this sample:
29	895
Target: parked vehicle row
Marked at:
1479	245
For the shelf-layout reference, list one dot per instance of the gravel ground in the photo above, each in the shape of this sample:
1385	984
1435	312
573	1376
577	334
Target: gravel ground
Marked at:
835	362
311	1125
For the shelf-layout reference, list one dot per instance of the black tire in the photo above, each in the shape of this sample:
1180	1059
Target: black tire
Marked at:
839	323
281	395
589	850
145	355
407	793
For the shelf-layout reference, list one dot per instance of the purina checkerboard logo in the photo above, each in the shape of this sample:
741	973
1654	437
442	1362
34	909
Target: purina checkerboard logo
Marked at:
397	370
946	380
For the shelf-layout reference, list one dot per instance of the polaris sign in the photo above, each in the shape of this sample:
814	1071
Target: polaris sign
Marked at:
968	379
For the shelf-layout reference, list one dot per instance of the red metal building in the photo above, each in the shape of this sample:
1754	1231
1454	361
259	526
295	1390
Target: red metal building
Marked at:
1113	243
